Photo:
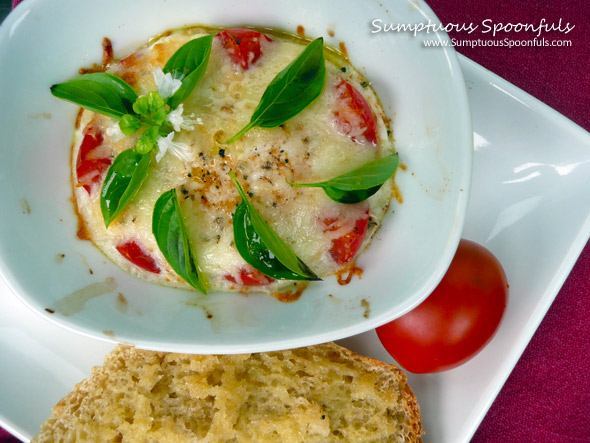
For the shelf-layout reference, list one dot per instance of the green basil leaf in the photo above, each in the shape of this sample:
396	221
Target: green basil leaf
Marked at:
189	64
291	91
350	197
261	247
254	252
147	141
172	239
151	107
99	92
129	124
123	179
360	183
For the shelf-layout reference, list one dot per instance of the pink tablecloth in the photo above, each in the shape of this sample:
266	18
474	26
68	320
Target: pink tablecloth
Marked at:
547	397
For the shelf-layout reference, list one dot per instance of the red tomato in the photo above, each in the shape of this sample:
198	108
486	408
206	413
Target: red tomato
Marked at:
242	45
133	252
353	116
457	320
90	166
344	248
250	277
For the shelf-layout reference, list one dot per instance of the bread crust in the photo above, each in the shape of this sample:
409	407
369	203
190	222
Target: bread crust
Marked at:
411	402
318	393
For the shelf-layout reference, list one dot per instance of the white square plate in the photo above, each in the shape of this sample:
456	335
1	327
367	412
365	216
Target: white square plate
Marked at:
530	205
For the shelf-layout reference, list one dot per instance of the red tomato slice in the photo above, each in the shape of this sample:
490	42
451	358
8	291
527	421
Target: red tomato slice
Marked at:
250	277
353	116
242	45
90	167
133	252
457	320
344	248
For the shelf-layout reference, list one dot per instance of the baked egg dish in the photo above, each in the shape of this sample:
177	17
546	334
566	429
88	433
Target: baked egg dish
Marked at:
257	176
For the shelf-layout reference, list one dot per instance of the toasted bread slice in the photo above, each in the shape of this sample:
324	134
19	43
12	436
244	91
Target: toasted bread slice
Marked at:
318	393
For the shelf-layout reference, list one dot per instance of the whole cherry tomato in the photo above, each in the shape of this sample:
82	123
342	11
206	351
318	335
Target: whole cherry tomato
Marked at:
457	320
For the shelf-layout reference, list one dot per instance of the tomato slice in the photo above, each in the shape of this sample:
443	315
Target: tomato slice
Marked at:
133	252
344	248
353	116
250	277
242	45
90	166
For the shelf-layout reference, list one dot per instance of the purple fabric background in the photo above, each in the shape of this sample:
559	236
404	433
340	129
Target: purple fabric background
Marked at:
547	396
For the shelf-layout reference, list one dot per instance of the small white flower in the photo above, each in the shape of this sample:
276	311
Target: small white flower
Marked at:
114	132
179	149
179	122
167	85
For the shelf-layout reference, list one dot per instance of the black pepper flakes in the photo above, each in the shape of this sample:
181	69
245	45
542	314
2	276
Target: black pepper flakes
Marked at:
364	84
343	69
222	153
250	193
184	191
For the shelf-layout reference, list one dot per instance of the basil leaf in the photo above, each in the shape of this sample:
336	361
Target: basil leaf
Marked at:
172	239
360	183
261	247
254	252
291	91
99	92
123	179
350	197
189	64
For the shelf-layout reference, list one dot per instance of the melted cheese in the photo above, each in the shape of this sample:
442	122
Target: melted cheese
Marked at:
307	148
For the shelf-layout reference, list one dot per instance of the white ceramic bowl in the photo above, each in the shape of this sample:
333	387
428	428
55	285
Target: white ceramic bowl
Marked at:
45	41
